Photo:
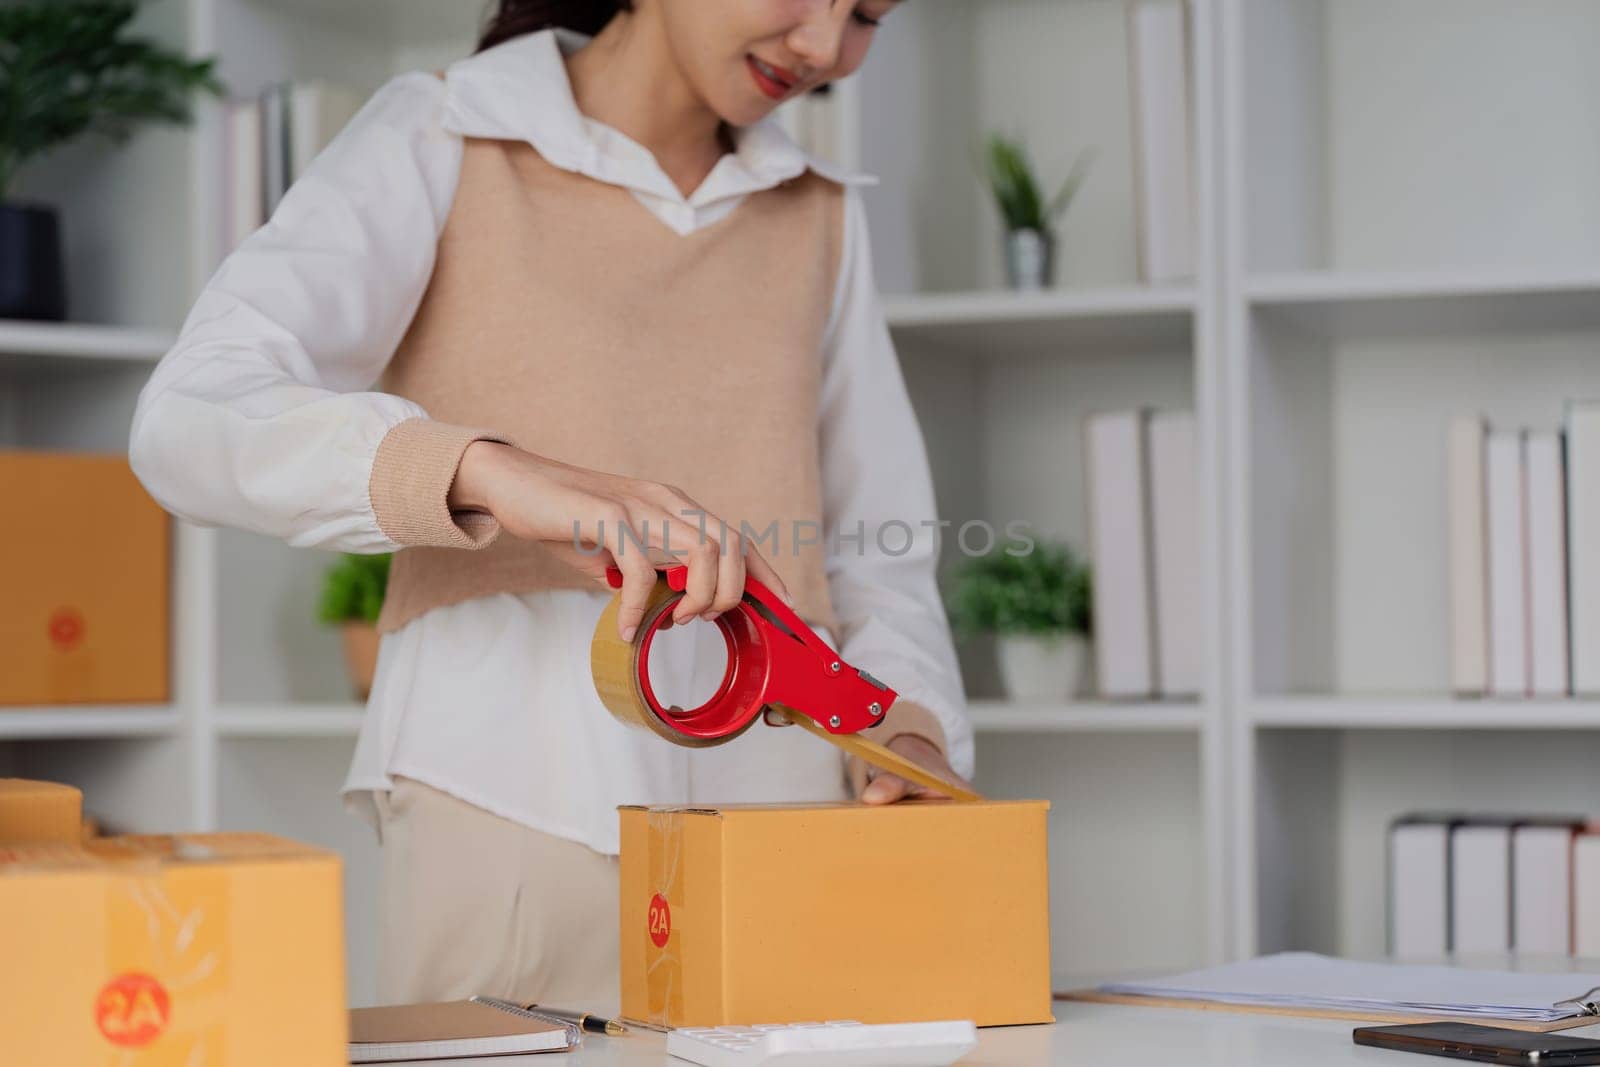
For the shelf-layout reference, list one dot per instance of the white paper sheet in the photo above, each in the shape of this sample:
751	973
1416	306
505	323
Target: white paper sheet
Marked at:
1307	980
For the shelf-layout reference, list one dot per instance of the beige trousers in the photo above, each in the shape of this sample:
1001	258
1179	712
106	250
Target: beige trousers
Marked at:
474	903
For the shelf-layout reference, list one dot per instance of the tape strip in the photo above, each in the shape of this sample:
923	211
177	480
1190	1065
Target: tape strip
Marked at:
881	757
663	964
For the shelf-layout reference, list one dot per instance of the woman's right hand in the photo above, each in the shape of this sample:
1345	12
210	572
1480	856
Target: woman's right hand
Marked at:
564	506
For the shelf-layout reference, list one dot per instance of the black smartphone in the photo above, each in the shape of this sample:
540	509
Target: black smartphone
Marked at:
1486	1044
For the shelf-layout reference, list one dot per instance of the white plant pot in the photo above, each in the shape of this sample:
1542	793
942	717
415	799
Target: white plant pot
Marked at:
1042	667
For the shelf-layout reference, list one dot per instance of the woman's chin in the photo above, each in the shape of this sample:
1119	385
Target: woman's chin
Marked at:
744	109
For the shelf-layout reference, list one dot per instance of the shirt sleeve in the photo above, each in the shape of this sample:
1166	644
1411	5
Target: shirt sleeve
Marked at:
876	482
260	417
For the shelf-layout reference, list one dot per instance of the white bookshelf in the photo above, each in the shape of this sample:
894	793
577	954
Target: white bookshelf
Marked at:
1406	236
1392	227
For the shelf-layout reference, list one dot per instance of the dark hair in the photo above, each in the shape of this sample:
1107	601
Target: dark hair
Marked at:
513	18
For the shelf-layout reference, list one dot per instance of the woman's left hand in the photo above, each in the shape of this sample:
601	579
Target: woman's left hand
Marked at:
887	788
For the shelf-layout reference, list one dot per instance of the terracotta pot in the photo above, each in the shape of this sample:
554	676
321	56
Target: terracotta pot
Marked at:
360	655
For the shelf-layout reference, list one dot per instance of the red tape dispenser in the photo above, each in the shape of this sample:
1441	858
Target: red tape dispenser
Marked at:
775	661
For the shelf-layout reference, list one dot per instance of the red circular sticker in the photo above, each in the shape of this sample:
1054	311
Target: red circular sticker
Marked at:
660	921
66	627
132	1010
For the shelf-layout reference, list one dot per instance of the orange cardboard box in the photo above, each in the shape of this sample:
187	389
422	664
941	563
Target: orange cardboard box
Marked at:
85	572
39	811
778	913
187	950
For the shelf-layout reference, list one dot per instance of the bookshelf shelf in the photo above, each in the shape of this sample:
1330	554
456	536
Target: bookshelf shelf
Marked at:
289	720
62	344
1346	305
1002	323
133	720
1421	713
1005	716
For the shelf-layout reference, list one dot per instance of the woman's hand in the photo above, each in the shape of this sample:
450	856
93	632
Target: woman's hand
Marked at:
564	506
886	788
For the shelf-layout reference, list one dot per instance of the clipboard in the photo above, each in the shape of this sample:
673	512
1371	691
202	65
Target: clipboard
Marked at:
1590	1016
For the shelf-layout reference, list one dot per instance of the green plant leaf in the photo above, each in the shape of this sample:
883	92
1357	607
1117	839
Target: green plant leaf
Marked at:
1015	189
353	589
67	69
1045	591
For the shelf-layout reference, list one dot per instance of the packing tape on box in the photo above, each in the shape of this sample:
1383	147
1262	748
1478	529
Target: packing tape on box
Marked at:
621	680
663	972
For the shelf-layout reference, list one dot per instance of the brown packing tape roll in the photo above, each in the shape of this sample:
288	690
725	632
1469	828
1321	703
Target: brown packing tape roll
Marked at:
616	666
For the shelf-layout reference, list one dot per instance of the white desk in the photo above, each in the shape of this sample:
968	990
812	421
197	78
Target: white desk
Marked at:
1093	1035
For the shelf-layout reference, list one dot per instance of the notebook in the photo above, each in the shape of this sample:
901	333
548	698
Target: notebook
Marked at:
1306	983
453	1029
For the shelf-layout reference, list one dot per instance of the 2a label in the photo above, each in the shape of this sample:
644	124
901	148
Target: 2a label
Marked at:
660	921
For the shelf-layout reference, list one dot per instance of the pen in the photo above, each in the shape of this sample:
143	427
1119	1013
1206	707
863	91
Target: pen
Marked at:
595	1024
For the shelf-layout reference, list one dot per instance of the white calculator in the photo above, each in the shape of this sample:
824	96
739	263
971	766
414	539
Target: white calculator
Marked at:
831	1044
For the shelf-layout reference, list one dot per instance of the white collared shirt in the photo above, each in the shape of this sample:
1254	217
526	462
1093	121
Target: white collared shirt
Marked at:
262	418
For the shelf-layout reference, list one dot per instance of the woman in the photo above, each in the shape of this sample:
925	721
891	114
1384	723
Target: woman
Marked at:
615	315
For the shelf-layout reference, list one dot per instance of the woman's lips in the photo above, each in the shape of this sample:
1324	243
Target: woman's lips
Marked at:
774	81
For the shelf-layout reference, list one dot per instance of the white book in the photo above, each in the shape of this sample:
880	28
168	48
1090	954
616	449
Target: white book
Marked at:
1419	888
1163	152
1586	895
1480	888
1508	583
1114	444
1583	543
317	112
1469	594
274	146
243	208
1547	565
1175	528
1541	889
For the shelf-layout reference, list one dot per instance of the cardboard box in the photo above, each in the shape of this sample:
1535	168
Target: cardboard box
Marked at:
84	565
190	950
777	913
39	811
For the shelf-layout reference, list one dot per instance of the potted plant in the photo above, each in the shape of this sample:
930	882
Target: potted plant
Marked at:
352	597
1030	239
1038	607
66	69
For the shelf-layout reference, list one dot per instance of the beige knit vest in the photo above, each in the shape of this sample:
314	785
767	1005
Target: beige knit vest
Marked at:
565	316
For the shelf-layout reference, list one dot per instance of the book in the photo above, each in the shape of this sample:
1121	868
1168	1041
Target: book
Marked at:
1583	543
1508	560
1114	447
448	1030
317	112
1419	885
1158	41
1480	886
1586	894
1541	886
1175	529
245	201
1469	594
1548	674
274	146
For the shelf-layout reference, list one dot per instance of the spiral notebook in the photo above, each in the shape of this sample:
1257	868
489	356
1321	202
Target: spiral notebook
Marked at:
451	1030
1304	983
